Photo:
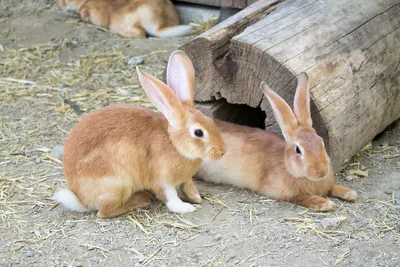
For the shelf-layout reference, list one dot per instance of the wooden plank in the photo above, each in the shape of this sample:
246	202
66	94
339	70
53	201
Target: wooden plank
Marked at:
239	4
216	3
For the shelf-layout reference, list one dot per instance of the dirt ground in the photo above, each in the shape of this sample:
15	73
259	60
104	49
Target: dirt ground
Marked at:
54	70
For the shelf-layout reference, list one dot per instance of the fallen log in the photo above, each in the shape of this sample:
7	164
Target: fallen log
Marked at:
350	50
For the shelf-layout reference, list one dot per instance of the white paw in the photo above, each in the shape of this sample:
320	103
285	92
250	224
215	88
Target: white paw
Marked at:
328	205
351	195
180	207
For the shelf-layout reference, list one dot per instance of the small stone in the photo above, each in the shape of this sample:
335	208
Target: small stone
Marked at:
104	223
38	160
388	192
349	178
363	167
398	201
256	212
95	260
380	157
46	231
29	253
380	173
61	85
8	264
57	152
135	61
330	222
217	238
236	261
281	220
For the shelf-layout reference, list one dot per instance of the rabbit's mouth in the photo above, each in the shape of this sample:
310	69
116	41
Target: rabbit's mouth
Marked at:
215	154
316	179
317	175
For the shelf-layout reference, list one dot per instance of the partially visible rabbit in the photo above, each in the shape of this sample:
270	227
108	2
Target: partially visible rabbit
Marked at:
131	18
295	168
114	154
71	5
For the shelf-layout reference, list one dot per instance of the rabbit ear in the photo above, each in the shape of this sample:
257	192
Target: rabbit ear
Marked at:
283	113
180	77
301	103
162	98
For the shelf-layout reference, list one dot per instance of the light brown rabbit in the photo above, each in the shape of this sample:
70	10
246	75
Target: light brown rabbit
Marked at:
71	5
131	18
114	154
295	168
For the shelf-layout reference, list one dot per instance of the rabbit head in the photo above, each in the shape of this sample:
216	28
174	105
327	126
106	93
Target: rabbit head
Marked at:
305	154
193	134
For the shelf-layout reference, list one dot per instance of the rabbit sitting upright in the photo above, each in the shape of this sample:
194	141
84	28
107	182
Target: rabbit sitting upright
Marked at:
116	153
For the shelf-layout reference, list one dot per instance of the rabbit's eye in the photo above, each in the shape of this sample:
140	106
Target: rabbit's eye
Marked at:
198	133
298	151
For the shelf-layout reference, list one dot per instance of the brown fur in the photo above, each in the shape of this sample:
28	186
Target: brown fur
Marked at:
266	163
127	18
120	150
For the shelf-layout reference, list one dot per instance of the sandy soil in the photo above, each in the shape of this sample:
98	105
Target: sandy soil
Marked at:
42	61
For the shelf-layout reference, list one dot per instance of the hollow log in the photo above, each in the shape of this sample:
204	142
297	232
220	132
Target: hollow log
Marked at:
350	50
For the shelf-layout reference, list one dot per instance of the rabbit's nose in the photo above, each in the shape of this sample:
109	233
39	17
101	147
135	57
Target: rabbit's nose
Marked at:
223	150
217	153
321	173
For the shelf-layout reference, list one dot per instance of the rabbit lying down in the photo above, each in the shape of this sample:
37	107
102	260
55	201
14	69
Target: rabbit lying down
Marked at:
295	168
131	18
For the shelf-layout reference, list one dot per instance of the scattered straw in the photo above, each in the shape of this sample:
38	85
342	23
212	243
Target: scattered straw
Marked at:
203	26
341	258
358	172
392	156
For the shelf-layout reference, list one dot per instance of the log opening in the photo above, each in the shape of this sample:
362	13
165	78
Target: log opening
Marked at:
236	113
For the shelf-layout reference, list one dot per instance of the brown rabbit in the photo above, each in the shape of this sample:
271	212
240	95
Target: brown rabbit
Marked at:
295	168
131	18
114	154
71	5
